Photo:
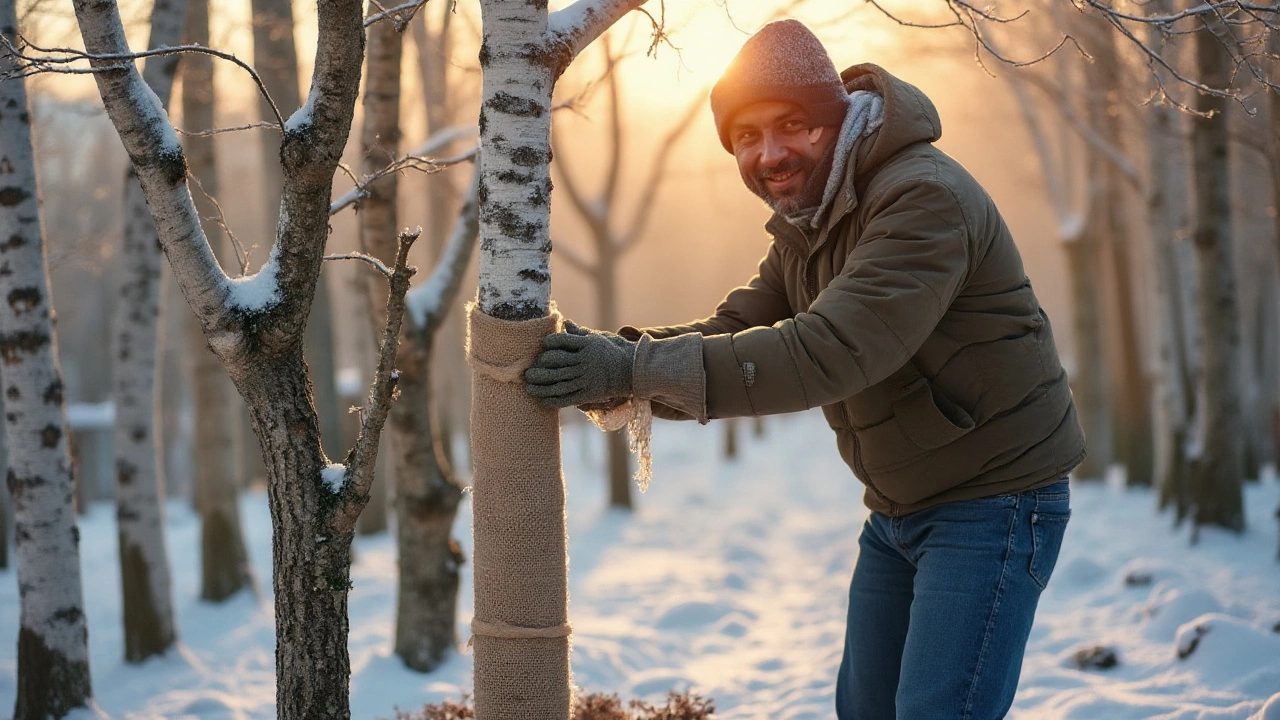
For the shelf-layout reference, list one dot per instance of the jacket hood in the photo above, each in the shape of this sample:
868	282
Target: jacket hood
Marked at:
909	116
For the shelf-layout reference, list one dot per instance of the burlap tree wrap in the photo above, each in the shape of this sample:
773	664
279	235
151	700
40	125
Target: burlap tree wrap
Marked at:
521	627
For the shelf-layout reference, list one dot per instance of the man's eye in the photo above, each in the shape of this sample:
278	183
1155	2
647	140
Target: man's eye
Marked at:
746	138
793	126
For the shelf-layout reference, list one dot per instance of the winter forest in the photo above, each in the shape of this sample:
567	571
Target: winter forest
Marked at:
271	460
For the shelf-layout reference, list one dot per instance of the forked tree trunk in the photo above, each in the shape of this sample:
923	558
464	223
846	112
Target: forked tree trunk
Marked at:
1216	489
275	57
144	562
520	59
53	652
256	327
224	560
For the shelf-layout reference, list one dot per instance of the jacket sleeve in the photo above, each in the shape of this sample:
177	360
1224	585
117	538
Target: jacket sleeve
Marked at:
905	270
761	302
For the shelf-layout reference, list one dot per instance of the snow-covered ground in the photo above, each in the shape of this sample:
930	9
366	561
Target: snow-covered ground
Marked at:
730	580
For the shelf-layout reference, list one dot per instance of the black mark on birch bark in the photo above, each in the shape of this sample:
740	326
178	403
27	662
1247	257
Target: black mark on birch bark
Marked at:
14	346
11	196
24	299
50	436
53	393
526	156
537	276
505	102
14	242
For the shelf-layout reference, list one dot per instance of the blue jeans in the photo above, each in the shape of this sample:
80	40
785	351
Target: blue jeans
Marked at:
941	605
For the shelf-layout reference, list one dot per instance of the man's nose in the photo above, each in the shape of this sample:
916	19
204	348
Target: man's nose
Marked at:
772	152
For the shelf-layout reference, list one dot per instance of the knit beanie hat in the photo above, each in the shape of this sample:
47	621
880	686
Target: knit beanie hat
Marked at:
784	62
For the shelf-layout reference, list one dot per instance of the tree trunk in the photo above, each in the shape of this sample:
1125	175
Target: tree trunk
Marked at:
144	563
730	438
1089	376
311	556
451	397
518	493
427	501
380	146
1217	495
53	652
1131	391
224	560
276	59
256	326
618	463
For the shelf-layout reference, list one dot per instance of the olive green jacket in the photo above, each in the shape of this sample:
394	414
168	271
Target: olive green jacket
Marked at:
907	317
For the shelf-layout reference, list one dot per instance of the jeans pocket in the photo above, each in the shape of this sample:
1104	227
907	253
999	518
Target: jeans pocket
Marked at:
1047	530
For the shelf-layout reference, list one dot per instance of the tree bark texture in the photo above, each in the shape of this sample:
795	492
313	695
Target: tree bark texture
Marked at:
1131	404
258	337
224	559
521	56
149	628
53	654
427	495
1217	494
275	57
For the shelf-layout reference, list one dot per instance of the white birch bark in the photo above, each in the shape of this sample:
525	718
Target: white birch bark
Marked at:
521	55
1217	482
144	565
53	655
224	560
255	325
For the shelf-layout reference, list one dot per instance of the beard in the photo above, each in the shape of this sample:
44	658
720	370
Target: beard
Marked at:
808	197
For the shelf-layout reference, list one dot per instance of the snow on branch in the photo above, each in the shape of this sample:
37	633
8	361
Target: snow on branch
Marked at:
576	26
151	143
360	460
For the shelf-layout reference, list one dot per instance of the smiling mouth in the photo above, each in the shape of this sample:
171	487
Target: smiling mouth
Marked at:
778	180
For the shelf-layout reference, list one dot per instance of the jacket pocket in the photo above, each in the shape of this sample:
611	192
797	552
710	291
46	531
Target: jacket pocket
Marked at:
929	419
919	425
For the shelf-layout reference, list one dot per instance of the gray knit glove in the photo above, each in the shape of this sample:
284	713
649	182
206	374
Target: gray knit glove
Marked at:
574	369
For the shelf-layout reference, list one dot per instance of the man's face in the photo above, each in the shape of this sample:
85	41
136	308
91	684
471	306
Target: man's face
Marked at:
778	152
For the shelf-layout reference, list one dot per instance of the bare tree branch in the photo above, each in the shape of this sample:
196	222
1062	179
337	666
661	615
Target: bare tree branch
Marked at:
400	15
591	213
576	26
571	256
428	165
360	460
55	60
363	257
649	191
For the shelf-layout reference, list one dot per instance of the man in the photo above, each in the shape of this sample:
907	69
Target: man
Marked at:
892	296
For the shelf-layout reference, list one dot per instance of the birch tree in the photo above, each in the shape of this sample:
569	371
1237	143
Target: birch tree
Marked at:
224	559
613	232
255	325
53	653
523	52
149	628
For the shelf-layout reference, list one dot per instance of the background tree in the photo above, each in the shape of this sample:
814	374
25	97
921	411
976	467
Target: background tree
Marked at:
255	325
224	560
53	653
149	628
612	231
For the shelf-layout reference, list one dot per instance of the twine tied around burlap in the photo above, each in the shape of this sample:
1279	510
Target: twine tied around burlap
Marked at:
520	629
